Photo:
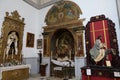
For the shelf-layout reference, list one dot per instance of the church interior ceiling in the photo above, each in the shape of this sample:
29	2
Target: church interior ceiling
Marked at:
38	4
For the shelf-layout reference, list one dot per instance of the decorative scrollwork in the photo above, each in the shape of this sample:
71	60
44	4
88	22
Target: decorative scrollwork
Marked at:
11	23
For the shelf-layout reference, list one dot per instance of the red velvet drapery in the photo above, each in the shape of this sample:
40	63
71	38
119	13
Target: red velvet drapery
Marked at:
99	28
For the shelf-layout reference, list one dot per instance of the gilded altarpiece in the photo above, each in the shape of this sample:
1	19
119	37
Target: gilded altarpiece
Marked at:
11	31
64	32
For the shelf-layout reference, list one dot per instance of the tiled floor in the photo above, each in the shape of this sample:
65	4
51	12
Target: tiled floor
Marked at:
38	77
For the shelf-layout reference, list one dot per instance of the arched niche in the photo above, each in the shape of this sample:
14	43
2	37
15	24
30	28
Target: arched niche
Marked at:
62	42
11	31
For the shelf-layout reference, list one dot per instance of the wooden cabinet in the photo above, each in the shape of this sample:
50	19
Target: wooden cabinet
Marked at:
43	69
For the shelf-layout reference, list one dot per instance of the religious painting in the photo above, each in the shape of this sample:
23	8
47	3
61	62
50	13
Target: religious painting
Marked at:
80	49
63	11
39	44
64	46
30	40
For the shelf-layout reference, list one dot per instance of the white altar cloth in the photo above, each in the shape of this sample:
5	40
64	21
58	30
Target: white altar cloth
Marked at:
13	67
63	63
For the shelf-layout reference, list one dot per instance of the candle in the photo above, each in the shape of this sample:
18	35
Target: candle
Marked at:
51	54
21	57
6	51
4	54
12	53
70	54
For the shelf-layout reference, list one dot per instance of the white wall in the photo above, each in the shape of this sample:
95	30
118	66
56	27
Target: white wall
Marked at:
31	20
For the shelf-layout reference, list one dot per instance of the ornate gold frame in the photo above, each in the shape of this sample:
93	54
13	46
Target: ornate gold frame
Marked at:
68	21
12	22
30	40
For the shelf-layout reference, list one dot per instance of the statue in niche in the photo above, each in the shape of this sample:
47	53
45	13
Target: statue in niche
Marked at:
12	43
11	38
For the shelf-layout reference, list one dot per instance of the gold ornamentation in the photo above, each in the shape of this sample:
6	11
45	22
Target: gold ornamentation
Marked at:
11	23
15	16
16	74
61	17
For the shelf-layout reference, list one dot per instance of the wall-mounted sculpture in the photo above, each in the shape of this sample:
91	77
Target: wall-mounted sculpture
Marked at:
11	38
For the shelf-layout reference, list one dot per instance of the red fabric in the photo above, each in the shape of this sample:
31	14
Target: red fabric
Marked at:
110	57
84	77
100	78
99	28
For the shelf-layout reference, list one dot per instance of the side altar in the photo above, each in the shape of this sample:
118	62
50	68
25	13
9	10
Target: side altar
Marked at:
11	41
63	38
18	72
106	65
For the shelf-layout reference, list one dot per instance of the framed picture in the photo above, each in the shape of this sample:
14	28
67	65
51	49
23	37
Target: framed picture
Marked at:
39	44
30	40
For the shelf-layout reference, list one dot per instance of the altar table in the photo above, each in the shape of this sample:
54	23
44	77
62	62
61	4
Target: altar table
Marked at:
18	72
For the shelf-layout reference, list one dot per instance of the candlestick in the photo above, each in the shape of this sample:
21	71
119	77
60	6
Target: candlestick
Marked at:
4	55
51	54
12	53
21	57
